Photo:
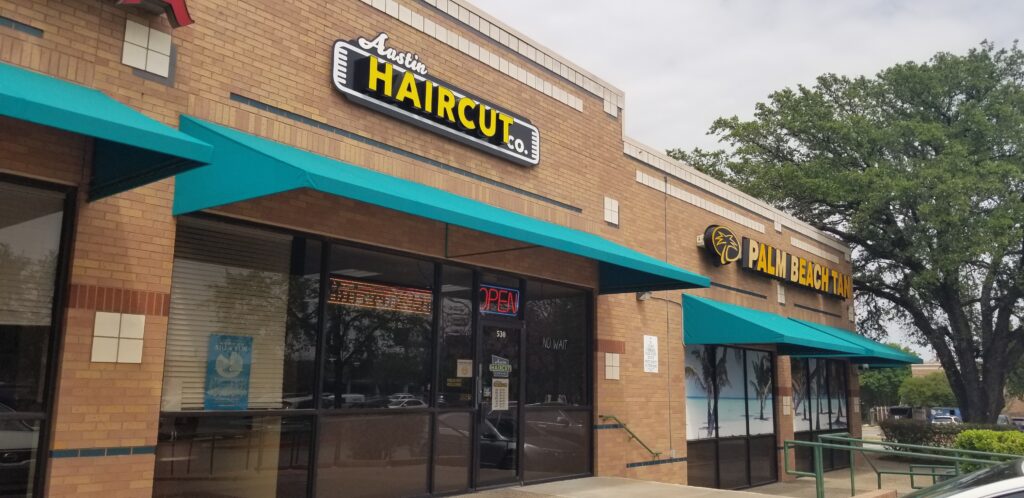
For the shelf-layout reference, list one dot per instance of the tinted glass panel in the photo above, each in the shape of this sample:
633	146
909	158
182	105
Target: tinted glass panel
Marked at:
759	392
243	319
557	443
30	231
373	455
732	404
455	338
556	345
379	321
245	456
19	444
804	454
763	461
701	463
454	451
732	463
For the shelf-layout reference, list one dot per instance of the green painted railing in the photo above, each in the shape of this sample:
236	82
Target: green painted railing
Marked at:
843	442
632	435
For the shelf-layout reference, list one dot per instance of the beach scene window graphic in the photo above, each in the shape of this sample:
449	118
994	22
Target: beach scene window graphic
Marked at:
728	392
819	395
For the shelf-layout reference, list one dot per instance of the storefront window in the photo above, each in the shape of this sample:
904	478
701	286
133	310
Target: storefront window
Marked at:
31	221
556	349
730	416
233	456
820	405
398	344
242	328
379	329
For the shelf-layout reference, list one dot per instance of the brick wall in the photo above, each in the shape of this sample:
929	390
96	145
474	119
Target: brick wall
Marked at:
278	54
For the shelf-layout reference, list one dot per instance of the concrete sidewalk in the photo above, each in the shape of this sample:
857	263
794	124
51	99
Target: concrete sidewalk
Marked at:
612	487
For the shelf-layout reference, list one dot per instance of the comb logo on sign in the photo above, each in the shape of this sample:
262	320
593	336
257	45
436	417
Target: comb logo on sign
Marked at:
370	73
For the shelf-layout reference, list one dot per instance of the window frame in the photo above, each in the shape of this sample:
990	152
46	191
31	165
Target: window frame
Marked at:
58	321
318	411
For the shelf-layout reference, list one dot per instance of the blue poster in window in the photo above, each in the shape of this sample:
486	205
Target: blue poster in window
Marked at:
227	372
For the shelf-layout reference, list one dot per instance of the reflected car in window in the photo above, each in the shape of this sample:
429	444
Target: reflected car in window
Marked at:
407	403
18	441
1003	481
497	447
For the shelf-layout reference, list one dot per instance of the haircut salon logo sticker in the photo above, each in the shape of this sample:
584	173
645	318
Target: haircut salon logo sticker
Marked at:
370	73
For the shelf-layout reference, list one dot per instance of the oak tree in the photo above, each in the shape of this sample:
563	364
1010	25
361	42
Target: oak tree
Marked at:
919	169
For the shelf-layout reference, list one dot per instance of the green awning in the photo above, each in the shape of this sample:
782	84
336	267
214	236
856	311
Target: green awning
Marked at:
712	322
878	355
246	167
130	150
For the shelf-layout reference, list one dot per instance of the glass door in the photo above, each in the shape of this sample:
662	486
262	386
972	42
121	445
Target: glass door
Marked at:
498	414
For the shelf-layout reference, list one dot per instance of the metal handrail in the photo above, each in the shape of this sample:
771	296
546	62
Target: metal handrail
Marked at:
632	435
933	453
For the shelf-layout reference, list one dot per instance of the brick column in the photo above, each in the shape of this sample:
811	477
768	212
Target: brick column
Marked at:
854	415
107	412
784	412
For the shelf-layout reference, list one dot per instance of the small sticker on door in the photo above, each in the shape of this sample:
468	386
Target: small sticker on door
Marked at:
500	367
464	368
499	391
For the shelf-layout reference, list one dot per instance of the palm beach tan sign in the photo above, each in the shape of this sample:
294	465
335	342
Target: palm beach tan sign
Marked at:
776	263
724	247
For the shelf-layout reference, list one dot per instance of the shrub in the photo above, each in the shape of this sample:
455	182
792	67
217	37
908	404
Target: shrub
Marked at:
1010	442
926	434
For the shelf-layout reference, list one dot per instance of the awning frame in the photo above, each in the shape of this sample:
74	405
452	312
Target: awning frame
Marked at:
245	167
130	149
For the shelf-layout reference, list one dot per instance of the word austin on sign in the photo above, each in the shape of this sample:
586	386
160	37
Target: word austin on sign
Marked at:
370	73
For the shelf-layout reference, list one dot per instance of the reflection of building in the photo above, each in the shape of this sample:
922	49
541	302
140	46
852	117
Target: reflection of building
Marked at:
436	287
925	368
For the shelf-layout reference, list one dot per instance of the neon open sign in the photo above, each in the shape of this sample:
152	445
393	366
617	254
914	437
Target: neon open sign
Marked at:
496	300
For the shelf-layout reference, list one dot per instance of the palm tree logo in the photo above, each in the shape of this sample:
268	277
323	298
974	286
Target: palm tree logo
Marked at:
722	244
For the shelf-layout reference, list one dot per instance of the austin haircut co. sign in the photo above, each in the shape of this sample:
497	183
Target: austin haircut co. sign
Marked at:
370	73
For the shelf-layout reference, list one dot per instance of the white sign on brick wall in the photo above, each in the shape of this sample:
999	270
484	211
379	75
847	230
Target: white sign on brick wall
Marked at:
650	354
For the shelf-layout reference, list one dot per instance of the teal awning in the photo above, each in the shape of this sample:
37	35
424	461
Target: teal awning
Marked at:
131	149
246	167
878	355
712	322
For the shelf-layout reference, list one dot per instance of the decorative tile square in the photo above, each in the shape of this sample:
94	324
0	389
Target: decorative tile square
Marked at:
133	326
130	351
158	64
136	33
106	324
160	42
104	349
134	56
611	373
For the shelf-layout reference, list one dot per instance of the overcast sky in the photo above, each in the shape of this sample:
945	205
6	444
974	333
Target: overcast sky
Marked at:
683	63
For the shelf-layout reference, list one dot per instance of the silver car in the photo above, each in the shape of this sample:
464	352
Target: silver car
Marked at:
1005	480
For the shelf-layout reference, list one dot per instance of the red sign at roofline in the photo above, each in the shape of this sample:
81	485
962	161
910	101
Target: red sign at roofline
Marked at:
177	11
